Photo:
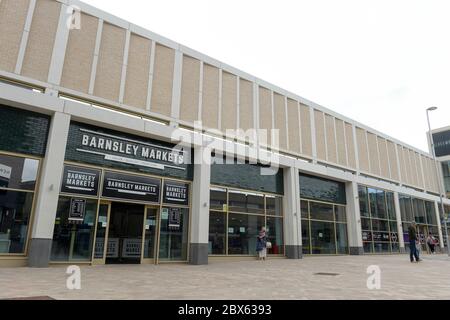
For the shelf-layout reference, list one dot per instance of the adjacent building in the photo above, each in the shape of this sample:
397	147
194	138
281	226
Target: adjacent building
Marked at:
102	160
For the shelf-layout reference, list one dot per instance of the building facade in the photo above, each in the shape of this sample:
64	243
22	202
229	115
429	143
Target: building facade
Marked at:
102	159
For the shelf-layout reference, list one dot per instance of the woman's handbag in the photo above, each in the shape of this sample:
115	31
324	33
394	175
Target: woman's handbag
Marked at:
269	245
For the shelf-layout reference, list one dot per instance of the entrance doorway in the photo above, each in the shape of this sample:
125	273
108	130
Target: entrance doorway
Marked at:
125	233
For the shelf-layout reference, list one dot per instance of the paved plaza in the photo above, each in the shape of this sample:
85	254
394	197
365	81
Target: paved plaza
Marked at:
309	278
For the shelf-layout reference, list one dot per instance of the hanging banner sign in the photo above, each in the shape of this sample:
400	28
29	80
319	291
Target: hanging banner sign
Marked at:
176	193
130	187
77	210
80	180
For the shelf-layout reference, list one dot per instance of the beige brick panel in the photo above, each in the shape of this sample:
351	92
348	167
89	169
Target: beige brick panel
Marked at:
373	153
294	126
41	40
305	127
363	150
403	167
280	120
110	62
265	112
419	170
190	89
340	140
245	105
138	68
163	80
393	161
229	101
210	106
331	139
12	21
384	158
351	154
79	55
320	135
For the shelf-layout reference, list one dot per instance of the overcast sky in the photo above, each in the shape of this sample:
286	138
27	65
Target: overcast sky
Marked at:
379	62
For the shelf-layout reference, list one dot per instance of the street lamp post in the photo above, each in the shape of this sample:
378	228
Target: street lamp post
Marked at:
433	152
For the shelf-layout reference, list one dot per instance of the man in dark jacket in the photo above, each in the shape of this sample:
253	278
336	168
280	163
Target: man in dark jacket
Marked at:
412	233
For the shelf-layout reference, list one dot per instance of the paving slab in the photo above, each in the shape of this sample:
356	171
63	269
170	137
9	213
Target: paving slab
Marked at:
318	277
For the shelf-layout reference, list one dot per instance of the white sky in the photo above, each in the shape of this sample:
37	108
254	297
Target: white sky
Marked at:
379	62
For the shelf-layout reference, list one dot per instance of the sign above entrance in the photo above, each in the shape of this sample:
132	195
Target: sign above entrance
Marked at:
176	193
79	180
130	187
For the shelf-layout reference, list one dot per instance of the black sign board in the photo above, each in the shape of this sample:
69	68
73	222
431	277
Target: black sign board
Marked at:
176	193
130	187
80	180
442	143
77	209
174	218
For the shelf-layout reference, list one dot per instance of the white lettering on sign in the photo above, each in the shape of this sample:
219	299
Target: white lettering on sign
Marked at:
132	149
177	193
78	179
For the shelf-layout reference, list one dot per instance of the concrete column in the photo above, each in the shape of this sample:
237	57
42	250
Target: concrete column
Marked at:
200	207
47	197
398	215
440	226
292	216
353	219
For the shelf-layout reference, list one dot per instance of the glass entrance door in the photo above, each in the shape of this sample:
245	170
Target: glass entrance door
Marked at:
99	254
151	227
125	234
173	238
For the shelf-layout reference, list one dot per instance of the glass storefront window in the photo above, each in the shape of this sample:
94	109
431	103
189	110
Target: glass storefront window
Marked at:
275	235
18	173
274	206
15	212
72	240
217	232
173	239
363	201
368	248
406	208
246	202
390	206
321	211
365	224
242	232
430	212
379	231
382	247
304	209
323	239
218	199
341	238
419	211
340	213
306	248
240	219
380	225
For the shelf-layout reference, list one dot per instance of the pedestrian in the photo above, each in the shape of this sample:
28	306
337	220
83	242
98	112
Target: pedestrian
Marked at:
261	244
413	252
431	242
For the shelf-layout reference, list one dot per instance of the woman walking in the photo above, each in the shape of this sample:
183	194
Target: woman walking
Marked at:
261	244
